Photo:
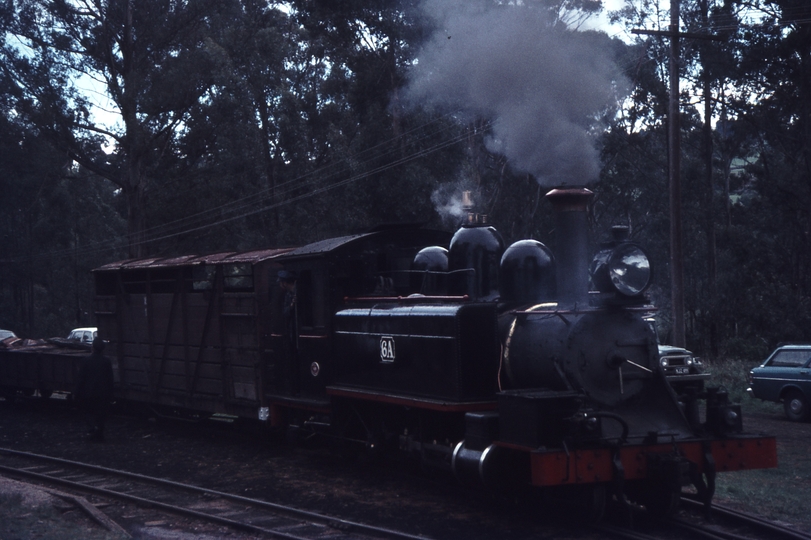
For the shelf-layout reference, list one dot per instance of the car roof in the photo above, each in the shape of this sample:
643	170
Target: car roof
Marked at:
86	329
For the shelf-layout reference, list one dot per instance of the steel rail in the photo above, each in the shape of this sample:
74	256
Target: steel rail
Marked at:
752	521
336	523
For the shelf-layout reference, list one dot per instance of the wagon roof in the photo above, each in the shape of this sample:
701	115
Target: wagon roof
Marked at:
334	244
190	260
323	246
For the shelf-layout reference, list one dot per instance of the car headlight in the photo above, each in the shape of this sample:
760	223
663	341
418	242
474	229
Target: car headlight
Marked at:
624	268
664	362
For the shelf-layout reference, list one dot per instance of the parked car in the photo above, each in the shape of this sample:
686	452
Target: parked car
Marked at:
83	335
684	371
5	334
785	376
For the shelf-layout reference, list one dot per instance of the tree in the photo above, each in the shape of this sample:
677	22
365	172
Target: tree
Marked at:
146	61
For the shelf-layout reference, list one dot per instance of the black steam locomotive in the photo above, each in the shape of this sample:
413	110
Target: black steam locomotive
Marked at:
505	366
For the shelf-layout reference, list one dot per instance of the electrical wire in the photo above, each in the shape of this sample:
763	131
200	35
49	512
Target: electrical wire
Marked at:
258	202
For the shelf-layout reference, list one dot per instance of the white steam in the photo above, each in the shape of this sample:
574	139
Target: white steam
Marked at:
447	199
542	86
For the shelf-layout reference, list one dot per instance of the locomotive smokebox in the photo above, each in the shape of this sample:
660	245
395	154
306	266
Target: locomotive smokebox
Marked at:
572	254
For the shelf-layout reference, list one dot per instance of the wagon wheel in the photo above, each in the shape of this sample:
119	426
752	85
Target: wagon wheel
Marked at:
44	393
796	405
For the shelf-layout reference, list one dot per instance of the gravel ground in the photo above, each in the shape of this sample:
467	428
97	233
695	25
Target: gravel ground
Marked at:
308	476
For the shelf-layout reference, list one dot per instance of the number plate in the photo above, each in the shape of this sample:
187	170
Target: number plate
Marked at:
682	370
387	353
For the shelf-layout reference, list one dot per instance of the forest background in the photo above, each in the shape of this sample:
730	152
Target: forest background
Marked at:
165	127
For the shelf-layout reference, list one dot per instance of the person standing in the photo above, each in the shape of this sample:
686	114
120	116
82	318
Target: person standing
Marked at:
94	389
287	281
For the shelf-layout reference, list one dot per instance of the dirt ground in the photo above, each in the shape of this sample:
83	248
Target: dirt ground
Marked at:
308	476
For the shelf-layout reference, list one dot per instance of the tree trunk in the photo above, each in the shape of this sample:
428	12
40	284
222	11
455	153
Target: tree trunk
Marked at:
136	214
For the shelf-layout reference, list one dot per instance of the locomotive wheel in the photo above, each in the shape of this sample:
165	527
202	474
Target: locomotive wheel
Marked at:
663	502
593	503
796	406
659	500
586	501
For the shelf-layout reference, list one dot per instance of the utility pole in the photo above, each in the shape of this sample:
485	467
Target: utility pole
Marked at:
674	170
674	177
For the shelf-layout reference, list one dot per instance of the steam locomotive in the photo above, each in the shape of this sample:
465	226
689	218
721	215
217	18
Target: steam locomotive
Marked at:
512	368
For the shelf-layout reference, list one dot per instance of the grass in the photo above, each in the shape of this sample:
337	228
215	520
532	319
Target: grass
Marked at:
733	375
780	494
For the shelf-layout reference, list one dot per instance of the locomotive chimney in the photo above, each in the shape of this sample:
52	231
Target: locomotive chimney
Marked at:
571	239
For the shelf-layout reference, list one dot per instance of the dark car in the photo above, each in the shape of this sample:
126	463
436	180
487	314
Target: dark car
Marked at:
684	372
785	376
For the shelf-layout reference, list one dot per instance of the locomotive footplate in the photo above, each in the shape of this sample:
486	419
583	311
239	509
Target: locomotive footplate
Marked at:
556	467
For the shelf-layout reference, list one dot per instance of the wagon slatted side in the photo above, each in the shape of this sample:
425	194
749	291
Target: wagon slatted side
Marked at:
189	332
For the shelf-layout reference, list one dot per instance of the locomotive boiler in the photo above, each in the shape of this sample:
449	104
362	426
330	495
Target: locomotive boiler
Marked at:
511	368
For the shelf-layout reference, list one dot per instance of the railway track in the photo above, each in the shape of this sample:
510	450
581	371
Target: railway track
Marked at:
237	512
279	521
693	523
731	519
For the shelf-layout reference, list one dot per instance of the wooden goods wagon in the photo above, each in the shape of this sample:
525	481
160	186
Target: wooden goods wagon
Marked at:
189	332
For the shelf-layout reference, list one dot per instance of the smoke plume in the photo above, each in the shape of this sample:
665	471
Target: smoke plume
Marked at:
543	87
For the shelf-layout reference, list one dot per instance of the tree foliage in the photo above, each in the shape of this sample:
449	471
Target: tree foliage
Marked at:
158	128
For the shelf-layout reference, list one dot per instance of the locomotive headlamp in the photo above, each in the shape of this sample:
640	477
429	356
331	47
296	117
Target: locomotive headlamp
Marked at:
624	268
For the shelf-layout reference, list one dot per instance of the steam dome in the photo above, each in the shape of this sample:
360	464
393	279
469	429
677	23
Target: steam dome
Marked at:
527	273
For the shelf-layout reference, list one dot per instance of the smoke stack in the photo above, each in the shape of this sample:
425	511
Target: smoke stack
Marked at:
571	233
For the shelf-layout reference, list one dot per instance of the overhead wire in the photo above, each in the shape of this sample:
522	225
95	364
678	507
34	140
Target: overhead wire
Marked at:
257	202
264	200
318	175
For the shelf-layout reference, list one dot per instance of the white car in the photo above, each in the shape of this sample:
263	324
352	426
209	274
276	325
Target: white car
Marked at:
83	335
5	334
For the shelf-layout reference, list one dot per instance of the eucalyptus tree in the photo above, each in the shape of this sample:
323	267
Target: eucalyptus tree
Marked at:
110	83
771	100
746	201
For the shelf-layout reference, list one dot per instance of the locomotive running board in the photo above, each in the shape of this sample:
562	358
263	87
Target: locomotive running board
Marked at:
410	401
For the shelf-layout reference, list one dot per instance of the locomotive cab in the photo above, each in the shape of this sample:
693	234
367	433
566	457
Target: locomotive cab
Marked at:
332	274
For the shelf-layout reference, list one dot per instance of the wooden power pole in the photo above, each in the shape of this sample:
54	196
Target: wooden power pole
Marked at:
674	178
674	170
